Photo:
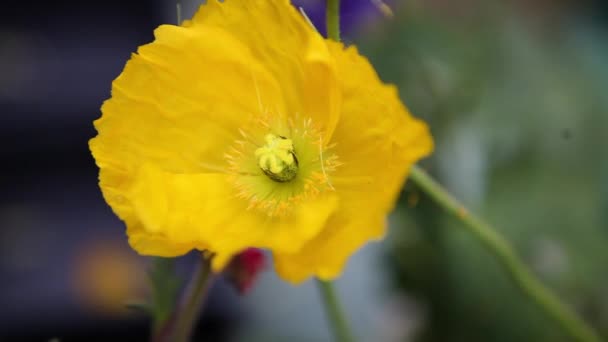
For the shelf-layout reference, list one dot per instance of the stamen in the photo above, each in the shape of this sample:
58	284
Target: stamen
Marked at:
277	158
297	175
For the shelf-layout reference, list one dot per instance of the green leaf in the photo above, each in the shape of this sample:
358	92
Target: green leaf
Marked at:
165	285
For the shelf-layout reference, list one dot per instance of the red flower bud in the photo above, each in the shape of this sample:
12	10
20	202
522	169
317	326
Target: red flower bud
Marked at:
243	269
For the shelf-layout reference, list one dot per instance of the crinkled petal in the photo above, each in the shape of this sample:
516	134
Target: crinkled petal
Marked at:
178	104
201	211
180	100
326	255
294	53
377	140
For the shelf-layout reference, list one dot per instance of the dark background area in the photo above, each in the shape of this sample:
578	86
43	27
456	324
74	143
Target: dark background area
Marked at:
64	260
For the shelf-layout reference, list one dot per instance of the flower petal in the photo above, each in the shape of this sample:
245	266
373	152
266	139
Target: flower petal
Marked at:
180	212
325	256
377	140
293	50
178	106
180	100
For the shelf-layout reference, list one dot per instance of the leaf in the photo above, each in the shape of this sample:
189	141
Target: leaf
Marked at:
165	285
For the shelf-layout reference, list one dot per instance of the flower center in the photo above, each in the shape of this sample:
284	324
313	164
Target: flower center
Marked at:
276	165
277	158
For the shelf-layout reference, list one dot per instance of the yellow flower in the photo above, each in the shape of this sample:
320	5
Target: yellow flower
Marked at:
245	128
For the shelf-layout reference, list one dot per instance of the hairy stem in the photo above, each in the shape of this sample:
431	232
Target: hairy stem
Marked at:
574	326
334	312
187	315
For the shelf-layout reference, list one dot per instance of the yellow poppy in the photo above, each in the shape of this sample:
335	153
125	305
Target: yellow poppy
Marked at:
245	128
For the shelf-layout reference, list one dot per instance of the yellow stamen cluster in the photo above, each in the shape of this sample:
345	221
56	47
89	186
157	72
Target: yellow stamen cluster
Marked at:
277	158
277	171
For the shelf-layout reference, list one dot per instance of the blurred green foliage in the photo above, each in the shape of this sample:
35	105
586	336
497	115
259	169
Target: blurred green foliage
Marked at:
515	100
164	288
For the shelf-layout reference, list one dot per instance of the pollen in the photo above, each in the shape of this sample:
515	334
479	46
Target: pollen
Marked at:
277	165
277	158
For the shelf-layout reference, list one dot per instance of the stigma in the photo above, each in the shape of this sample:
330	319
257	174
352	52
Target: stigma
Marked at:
277	158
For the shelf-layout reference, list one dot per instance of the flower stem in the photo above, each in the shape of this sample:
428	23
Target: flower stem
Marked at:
333	19
574	326
188	314
334	312
335	315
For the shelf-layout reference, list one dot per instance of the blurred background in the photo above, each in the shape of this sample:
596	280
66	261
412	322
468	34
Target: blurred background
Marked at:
514	92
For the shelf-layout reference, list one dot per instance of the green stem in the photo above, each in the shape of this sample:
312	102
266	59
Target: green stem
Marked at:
575	327
334	312
188	314
333	19
335	315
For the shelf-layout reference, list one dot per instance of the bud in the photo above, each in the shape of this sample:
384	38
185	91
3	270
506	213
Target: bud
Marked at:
243	269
